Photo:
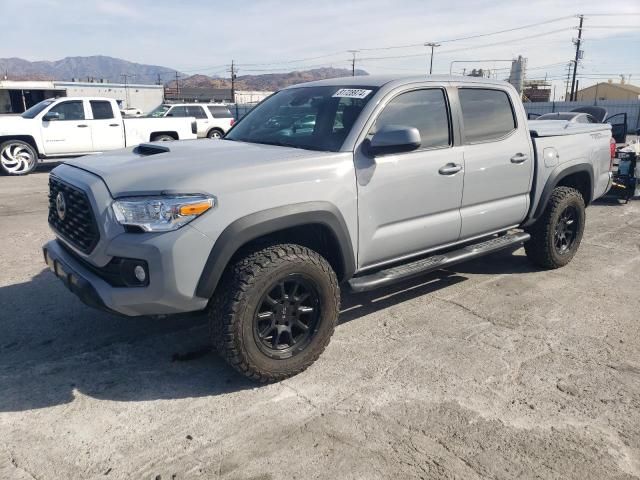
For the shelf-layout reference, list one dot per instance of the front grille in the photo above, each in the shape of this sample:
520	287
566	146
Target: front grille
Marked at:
78	225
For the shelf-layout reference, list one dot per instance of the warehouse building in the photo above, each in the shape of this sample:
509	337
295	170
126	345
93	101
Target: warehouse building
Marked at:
609	91
17	96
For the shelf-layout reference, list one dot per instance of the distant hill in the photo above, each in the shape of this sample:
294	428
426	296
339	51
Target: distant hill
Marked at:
97	67
112	69
268	82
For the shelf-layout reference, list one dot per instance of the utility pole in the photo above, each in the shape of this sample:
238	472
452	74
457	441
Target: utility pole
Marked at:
566	86
177	84
126	87
159	81
233	86
353	61
432	45
575	63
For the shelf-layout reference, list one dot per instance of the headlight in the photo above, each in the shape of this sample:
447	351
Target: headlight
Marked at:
161	213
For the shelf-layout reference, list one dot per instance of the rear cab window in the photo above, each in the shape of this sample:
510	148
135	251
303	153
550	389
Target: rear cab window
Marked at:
487	114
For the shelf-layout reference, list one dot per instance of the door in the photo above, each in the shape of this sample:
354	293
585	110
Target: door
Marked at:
69	132
188	111
618	126
107	130
410	202
202	121
498	163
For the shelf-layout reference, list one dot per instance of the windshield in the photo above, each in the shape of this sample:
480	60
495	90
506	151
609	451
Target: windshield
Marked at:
37	108
159	111
314	118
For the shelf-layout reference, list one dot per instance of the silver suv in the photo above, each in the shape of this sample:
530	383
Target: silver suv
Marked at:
350	183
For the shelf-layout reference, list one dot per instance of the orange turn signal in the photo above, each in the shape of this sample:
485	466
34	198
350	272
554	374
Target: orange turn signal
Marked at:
196	208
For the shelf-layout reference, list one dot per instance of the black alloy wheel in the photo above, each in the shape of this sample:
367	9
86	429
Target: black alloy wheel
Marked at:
566	230
287	316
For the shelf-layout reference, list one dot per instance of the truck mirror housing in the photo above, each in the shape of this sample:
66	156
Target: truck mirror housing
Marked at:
394	139
49	116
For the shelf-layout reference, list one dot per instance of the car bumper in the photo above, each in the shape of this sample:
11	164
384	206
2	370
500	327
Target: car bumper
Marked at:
174	264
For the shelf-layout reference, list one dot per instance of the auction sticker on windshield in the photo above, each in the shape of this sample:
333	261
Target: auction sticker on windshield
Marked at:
351	93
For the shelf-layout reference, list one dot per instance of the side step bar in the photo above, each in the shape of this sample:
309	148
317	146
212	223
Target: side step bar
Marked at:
391	275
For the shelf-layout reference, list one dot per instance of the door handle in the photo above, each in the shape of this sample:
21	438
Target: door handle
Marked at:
83	126
450	169
519	158
114	124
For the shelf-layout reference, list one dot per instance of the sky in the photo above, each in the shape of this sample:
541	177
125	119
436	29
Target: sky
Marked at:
203	36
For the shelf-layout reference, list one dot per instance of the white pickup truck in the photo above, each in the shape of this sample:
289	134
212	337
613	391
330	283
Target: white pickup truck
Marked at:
70	127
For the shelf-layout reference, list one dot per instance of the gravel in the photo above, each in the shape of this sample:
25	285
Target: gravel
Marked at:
493	369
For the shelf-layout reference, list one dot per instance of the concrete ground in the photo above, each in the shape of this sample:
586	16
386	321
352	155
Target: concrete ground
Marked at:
492	370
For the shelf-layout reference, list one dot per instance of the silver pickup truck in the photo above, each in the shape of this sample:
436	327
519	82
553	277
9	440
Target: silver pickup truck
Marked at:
351	182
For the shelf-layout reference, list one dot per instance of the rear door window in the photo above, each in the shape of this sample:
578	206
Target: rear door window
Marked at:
196	111
101	110
487	114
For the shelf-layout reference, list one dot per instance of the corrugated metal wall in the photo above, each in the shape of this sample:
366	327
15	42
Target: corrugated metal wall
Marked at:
613	106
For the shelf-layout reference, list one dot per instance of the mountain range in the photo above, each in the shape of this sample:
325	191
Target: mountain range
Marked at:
116	70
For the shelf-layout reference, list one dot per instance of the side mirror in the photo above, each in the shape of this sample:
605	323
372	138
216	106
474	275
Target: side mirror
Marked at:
51	116
394	139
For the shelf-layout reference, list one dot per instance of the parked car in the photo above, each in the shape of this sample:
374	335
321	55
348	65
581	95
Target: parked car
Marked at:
591	114
213	119
131	112
575	117
398	177
68	127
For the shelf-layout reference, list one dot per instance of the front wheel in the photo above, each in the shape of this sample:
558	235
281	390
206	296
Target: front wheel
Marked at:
556	236
17	157
274	311
215	134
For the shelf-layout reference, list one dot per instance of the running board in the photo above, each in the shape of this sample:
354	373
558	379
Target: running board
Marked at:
391	275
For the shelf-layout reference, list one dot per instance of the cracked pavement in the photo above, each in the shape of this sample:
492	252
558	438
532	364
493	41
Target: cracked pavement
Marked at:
492	369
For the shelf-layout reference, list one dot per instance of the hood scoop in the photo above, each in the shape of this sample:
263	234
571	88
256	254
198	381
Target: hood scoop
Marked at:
146	149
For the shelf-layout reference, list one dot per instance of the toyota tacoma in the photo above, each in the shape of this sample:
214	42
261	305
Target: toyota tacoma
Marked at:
352	183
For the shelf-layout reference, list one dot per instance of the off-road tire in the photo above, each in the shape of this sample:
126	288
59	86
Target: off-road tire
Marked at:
236	301
541	249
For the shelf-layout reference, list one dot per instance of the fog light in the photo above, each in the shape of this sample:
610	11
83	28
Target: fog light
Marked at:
140	274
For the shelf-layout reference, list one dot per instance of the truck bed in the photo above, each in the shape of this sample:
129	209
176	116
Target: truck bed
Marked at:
559	144
555	128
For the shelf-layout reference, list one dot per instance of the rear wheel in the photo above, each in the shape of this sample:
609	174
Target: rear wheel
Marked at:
274	311
163	138
17	157
556	236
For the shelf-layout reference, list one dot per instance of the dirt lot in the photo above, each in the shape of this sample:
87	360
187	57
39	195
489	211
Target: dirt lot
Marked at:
493	370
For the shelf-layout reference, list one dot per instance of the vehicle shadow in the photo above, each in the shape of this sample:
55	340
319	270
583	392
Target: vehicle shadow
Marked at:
53	348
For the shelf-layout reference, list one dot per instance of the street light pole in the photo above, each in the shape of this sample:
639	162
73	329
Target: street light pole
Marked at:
432	45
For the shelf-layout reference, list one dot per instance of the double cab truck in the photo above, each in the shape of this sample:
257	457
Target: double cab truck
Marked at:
68	127
393	178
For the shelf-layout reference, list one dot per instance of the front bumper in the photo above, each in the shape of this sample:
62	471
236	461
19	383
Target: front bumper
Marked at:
73	280
174	262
